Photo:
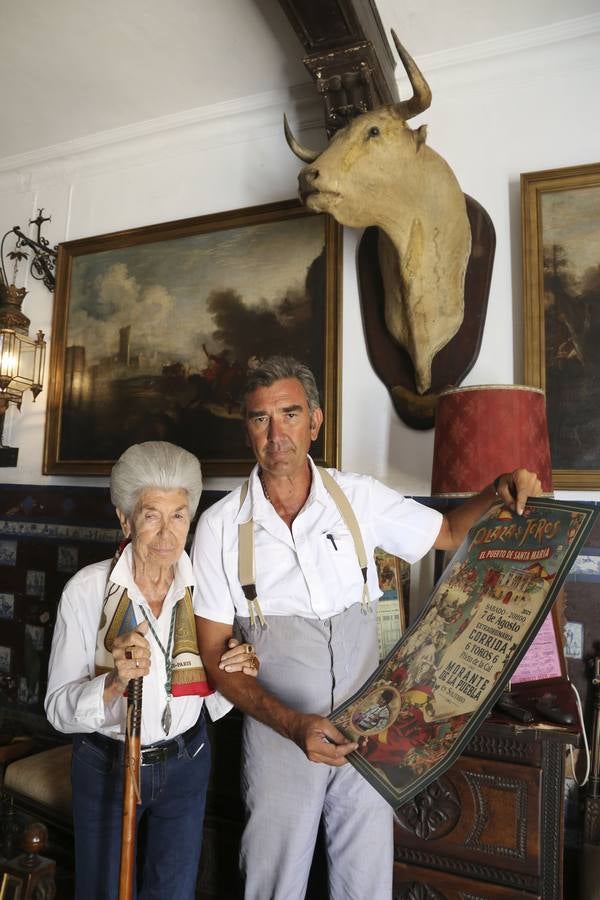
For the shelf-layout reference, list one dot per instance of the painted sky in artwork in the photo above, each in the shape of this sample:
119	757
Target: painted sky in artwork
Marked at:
161	289
571	218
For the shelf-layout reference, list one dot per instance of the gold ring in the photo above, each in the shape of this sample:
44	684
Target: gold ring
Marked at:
249	649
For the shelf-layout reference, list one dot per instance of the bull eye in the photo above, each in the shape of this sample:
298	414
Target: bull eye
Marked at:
373	131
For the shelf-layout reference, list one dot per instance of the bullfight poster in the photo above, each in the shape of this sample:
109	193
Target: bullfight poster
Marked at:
419	709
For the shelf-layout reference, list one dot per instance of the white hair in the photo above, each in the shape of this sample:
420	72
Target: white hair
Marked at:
158	465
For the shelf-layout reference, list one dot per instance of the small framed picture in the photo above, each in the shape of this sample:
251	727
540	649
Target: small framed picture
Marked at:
8	553
545	659
35	583
393	575
7	606
67	560
5	659
573	632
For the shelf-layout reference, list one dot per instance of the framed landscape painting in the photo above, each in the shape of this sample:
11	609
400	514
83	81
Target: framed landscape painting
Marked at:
155	328
561	274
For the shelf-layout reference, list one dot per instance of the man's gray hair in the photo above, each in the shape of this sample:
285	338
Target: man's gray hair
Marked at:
274	369
154	465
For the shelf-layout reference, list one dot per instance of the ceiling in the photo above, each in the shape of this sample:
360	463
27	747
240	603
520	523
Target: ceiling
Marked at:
71	68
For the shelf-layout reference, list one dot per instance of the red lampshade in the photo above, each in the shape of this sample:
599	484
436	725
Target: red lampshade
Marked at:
486	430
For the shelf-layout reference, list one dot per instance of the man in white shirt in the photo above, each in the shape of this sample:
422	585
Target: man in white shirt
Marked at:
320	643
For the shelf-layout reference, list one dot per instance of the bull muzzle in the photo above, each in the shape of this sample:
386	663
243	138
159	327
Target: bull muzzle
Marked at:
306	182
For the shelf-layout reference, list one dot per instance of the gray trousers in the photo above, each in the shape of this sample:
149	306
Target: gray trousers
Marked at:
312	666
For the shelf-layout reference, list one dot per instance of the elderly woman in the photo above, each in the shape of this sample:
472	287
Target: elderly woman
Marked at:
117	620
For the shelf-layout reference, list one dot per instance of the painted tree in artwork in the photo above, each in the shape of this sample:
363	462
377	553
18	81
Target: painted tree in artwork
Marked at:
572	333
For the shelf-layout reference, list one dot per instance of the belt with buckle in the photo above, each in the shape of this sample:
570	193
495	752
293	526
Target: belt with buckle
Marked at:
153	753
160	752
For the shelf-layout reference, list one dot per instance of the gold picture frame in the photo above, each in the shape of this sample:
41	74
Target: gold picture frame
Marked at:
154	329
561	286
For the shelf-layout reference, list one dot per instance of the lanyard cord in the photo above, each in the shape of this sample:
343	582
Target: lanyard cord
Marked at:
166	717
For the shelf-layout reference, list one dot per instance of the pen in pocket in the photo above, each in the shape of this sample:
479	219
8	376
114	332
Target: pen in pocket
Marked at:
332	539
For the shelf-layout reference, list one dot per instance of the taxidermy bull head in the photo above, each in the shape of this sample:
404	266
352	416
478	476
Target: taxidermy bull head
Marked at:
379	171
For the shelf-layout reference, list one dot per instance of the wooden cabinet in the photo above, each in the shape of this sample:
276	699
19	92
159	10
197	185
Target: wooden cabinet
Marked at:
492	826
490	829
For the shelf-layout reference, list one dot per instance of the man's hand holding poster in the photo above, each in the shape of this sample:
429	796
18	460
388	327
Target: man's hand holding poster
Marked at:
422	705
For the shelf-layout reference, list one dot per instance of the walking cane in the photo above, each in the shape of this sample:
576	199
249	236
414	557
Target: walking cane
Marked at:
131	787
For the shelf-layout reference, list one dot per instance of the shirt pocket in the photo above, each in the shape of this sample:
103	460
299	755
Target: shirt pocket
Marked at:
338	562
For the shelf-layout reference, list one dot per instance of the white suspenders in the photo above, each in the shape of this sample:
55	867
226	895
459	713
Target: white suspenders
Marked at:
246	569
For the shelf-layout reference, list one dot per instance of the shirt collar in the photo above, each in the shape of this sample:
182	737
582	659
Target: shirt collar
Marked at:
122	573
318	491
255	503
257	507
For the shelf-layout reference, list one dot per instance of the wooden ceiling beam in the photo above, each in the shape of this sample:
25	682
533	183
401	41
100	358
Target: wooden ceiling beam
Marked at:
349	57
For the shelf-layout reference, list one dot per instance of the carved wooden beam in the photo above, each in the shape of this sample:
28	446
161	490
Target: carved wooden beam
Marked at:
349	57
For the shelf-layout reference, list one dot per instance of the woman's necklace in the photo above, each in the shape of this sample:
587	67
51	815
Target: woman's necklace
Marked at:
166	716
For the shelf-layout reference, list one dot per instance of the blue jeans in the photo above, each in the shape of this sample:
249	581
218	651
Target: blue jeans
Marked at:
170	818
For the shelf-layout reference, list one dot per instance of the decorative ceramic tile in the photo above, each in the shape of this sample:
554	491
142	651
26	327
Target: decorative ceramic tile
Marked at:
7	606
8	553
35	583
36	635
67	559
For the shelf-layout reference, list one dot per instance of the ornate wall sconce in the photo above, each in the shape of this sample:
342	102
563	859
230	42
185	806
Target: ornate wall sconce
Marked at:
21	357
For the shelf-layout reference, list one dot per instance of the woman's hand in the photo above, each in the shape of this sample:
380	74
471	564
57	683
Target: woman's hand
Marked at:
240	658
131	655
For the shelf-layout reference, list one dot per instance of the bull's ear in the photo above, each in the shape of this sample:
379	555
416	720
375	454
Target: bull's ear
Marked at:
420	136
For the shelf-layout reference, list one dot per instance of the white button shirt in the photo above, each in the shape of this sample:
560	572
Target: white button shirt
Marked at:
74	700
310	570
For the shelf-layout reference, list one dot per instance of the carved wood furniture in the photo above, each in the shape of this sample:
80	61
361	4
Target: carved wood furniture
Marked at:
36	791
29	876
492	826
349	57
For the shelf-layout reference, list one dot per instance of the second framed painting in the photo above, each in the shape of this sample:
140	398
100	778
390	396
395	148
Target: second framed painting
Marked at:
561	268
155	328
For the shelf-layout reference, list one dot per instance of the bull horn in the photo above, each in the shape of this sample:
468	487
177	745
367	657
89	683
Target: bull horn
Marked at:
421	98
303	153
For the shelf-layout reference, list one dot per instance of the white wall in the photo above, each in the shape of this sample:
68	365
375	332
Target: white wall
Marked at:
500	108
